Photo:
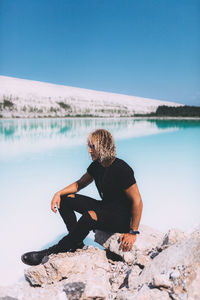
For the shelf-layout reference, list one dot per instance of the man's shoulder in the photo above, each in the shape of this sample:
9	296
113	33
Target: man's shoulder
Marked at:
120	163
93	167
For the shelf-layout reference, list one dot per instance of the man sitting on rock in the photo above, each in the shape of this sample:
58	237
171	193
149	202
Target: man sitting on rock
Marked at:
119	210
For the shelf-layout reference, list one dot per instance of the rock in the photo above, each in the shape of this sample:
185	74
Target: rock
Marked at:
161	281
173	273
145	293
85	266
181	258
124	295
194	286
7	298
145	242
134	274
63	265
142	260
74	290
172	236
24	291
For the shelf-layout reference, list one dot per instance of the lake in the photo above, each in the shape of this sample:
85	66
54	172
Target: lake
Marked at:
41	156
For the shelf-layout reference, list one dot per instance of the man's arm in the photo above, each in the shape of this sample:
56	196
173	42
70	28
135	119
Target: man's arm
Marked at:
134	194
73	188
128	239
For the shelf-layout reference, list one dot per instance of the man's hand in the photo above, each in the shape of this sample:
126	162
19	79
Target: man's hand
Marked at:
55	202
127	240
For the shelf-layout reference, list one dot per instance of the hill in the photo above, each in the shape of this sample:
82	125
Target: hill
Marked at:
31	99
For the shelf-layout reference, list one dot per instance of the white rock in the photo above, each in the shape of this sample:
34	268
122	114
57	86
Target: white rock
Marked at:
175	274
89	267
161	281
87	274
134	274
173	236
194	286
65	264
144	293
151	294
147	240
182	256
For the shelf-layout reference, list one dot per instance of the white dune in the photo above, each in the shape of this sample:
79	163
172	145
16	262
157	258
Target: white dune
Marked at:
39	99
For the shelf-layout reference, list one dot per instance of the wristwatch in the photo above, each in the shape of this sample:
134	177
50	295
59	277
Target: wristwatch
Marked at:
134	231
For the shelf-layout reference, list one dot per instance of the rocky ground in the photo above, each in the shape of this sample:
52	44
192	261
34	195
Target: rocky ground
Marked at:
160	266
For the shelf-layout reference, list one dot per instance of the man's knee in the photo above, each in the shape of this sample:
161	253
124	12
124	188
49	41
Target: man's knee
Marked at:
65	201
92	214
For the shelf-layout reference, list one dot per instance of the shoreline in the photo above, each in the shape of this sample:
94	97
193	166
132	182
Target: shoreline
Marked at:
102	117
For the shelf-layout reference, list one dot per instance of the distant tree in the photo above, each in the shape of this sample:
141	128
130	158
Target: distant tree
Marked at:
8	104
64	105
178	111
174	111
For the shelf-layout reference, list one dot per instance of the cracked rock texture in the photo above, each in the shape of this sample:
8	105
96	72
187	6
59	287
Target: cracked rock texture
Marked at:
159	267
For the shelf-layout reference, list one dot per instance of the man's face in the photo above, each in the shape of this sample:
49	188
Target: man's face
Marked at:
92	151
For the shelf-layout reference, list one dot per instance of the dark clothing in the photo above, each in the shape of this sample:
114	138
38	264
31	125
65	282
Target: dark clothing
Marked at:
107	220
111	183
113	211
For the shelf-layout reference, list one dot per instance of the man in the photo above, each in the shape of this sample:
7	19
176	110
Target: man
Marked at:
119	210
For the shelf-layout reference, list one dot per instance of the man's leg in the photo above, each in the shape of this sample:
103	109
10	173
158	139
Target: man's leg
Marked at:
78	233
76	236
78	203
100	218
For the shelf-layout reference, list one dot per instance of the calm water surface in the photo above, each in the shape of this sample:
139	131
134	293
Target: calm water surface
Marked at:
39	157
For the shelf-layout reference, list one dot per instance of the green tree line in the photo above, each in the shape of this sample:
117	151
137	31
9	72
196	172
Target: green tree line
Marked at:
175	111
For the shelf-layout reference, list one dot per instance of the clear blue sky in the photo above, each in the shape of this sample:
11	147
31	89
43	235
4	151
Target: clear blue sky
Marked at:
147	48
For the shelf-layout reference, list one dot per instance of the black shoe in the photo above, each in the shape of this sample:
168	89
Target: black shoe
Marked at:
35	258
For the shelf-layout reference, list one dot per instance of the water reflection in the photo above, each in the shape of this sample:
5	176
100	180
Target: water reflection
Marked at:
178	124
19	136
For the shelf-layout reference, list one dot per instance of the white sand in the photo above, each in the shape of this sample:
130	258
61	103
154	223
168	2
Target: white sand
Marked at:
34	98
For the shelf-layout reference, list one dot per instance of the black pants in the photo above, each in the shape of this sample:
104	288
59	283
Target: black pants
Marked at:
107	219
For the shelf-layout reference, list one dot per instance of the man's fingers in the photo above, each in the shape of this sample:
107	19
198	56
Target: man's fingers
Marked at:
130	246
126	242
53	207
126	246
123	245
58	204
121	237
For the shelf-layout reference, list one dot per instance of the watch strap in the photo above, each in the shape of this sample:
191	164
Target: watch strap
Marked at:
134	231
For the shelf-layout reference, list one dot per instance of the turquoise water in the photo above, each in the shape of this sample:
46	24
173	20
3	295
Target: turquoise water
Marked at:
39	157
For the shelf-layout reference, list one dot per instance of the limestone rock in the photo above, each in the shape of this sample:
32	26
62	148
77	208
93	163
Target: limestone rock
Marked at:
63	265
74	290
161	281
160	267
145	293
7	298
173	236
133	276
178	263
24	291
194	285
86	267
145	242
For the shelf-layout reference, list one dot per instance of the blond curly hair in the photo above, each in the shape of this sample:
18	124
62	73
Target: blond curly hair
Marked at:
104	146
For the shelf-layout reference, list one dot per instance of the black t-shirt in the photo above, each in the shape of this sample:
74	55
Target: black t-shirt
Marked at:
112	182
